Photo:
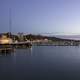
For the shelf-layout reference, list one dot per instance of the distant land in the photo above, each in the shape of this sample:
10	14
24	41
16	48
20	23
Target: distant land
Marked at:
23	36
74	37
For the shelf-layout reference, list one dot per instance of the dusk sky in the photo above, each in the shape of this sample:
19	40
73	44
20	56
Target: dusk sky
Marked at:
41	16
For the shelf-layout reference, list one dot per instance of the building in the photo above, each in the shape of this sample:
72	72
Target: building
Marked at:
5	40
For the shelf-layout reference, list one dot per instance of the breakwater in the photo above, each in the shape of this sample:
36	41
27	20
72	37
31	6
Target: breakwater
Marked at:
58	43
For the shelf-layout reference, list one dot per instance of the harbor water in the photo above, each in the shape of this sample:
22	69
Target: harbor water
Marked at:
41	63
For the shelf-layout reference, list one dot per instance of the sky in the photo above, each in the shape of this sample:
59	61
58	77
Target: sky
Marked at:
40	16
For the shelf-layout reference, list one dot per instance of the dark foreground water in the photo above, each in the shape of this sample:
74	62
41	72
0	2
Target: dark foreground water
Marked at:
41	63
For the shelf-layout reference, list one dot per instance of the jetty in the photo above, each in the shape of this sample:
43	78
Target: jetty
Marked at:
22	45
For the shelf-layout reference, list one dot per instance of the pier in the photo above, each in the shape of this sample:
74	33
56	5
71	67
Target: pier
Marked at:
22	45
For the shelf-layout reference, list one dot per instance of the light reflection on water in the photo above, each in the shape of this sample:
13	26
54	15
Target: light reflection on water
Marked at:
18	51
6	53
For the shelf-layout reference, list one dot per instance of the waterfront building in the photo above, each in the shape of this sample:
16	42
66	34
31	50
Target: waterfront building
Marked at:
5	40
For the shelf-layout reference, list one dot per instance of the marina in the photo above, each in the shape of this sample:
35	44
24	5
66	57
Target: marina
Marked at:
8	44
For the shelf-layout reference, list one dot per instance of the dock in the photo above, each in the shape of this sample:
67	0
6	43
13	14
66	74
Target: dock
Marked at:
22	45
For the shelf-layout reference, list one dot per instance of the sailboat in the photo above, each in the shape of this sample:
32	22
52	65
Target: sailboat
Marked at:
6	42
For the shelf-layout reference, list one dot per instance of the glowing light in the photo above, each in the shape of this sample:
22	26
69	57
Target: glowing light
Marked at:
5	40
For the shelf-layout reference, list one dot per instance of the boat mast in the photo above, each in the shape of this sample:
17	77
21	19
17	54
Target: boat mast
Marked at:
10	22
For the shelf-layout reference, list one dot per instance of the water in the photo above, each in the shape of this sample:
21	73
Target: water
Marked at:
41	63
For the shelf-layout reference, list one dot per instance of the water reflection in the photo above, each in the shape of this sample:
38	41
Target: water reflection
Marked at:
17	52
22	52
44	62
7	53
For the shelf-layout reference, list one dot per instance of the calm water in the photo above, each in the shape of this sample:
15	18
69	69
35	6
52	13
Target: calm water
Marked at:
41	63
